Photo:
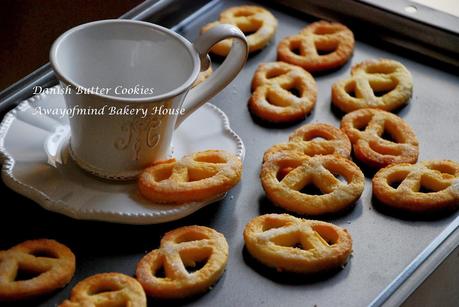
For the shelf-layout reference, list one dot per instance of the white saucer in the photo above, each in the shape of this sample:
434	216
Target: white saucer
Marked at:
36	164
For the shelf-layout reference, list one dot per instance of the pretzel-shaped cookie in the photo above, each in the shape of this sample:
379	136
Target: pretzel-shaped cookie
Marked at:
285	190
257	21
382	84
292	244
303	141
196	177
51	263
425	186
181	248
366	128
107	289
272	99
305	48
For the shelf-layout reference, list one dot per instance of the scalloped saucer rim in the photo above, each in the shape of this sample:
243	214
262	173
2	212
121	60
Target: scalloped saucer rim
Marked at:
145	212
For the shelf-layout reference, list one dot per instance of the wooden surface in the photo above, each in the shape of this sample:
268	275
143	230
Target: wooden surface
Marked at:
29	27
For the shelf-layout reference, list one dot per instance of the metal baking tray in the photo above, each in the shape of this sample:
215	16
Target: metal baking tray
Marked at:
389	251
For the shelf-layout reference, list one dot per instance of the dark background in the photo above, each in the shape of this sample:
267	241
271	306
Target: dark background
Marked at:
29	27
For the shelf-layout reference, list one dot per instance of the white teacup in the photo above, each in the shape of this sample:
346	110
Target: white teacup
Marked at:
122	66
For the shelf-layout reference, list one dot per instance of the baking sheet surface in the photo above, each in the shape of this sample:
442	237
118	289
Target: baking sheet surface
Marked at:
383	245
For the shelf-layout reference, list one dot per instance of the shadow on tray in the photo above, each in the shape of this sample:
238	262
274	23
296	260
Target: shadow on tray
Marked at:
288	278
411	216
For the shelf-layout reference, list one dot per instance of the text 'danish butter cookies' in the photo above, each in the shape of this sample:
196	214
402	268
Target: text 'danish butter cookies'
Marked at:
311	185
292	244
282	92
318	47
380	138
382	84
49	264
196	177
314	139
173	270
107	289
257	23
425	186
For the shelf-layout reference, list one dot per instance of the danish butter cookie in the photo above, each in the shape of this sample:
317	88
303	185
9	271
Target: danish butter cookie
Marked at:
180	250
292	244
424	186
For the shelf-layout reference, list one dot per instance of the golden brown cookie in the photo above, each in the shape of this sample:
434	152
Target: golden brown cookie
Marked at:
425	186
291	244
50	264
380	138
107	289
304	141
164	272
257	23
196	177
287	189
382	84
282	92
320	46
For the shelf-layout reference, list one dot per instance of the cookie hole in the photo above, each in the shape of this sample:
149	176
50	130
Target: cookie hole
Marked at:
210	158
380	69
23	274
431	185
319	135
289	240
45	253
294	91
395	179
384	150
425	189
163	174
382	88
394	184
273	73
381	92
195	258
275	100
250	32
160	272
311	189
327	233
323	30
104	289
199	174
273	223
196	266
296	50
322	50
341	178
191	236
283	172
317	138
350	89
244	13
298	245
362	122
444	169
388	137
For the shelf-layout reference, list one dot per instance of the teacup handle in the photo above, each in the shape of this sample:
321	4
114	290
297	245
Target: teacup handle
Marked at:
227	71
